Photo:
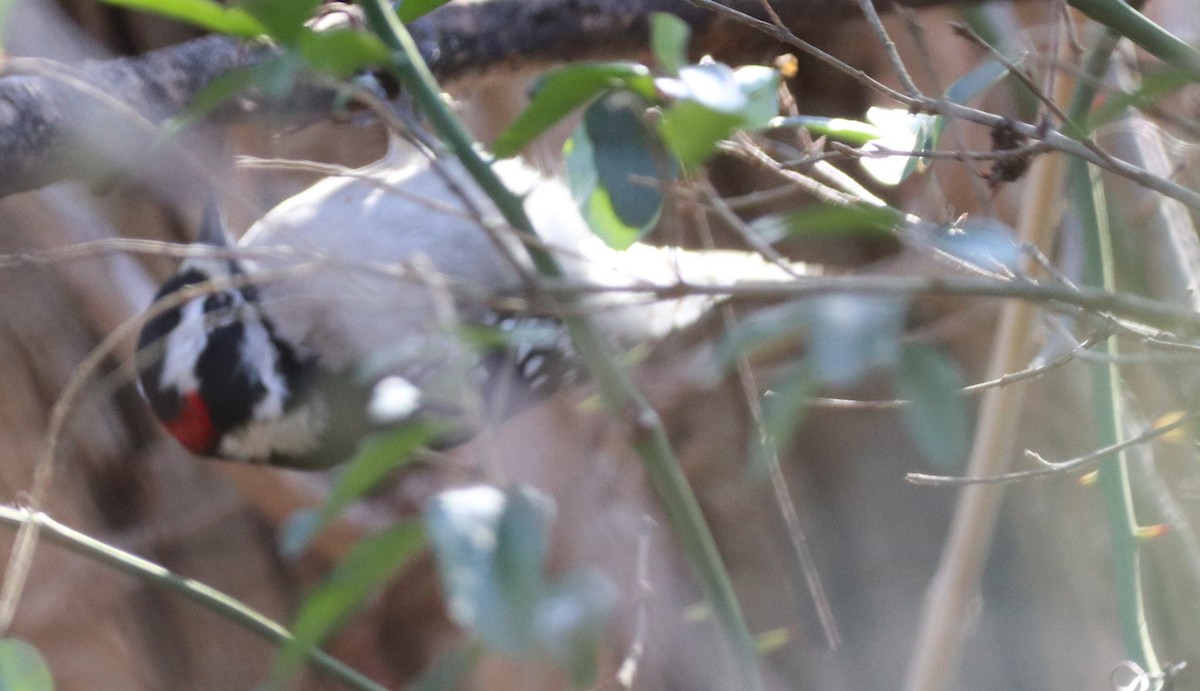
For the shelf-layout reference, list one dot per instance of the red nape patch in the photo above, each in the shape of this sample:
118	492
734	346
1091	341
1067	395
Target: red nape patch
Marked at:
194	428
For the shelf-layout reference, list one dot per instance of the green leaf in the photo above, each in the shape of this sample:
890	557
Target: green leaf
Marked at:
937	416
827	220
490	547
450	670
284	19
1154	85
904	132
378	456
853	132
851	334
22	667
570	618
410	10
760	86
342	52
966	89
669	39
561	91
691	131
372	562
613	164
206	14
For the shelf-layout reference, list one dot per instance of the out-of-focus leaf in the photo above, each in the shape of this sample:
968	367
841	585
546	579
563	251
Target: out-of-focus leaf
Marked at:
22	667
691	130
378	456
669	38
561	91
985	242
853	132
760	85
826	220
410	10
206	14
902	131
966	89
937	416
284	19
342	52
1154	85
613	166
569	621
450	670
372	562
852	334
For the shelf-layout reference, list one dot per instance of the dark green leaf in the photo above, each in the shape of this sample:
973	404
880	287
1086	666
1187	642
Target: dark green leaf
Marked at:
207	14
827	220
410	10
450	670
342	52
613	164
284	19
372	562
561	91
853	132
378	456
22	667
937	416
669	38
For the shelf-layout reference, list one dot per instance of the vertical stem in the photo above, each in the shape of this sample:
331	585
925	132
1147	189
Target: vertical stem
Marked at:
617	389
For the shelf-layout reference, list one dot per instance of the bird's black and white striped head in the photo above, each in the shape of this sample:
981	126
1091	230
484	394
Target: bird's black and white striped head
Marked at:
217	375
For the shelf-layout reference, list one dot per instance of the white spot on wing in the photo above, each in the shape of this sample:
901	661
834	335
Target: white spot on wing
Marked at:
393	399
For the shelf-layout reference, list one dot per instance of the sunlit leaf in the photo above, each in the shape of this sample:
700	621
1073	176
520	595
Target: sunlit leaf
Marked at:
760	86
691	130
410	10
283	19
490	547
342	52
207	14
827	220
614	167
937	416
853	132
370	564
22	667
378	456
669	38
561	91
902	132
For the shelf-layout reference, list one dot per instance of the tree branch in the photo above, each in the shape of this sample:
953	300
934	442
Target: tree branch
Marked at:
50	130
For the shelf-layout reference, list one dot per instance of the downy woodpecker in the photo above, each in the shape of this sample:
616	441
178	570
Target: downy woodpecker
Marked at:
399	278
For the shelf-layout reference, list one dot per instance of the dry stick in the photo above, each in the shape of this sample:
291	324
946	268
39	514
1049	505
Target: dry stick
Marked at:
889	47
939	638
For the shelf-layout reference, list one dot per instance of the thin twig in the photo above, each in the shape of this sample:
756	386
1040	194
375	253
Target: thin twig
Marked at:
1064	467
207	597
889	47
